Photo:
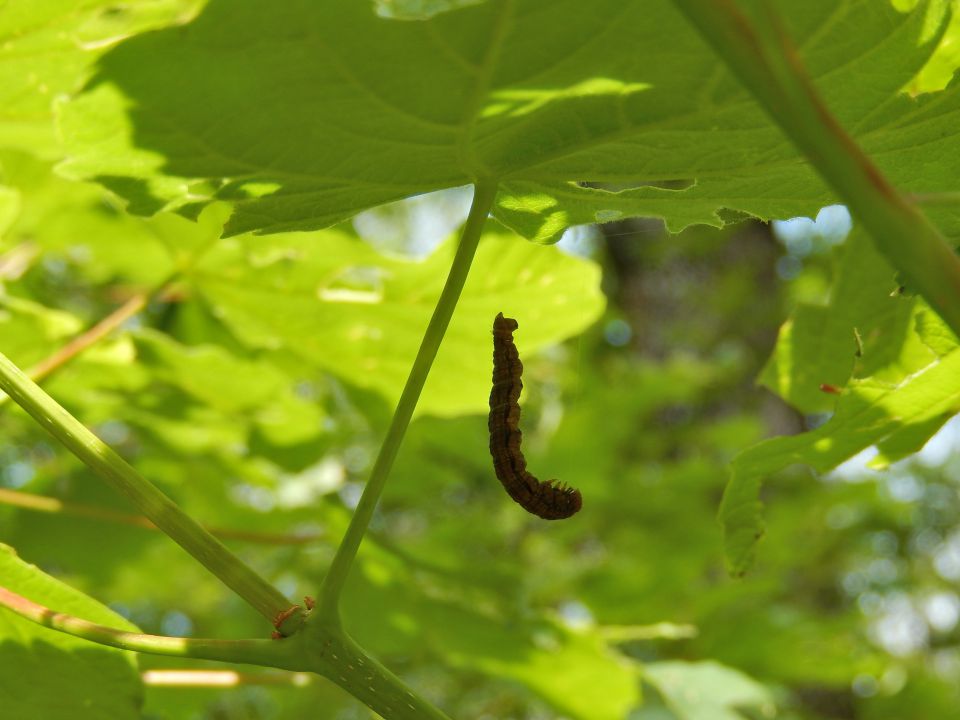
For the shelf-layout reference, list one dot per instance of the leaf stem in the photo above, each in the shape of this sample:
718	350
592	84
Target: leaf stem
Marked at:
93	334
153	503
331	652
484	193
257	652
88	337
768	64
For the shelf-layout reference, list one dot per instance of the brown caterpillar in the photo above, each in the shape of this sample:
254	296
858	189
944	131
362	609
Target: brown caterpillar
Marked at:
551	499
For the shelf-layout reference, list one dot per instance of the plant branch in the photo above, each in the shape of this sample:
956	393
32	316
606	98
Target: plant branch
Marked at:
768	64
483	196
115	319
92	335
257	652
329	652
41	503
335	655
81	342
153	503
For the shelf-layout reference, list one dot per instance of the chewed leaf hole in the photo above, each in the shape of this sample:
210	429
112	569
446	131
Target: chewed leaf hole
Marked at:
615	187
605	216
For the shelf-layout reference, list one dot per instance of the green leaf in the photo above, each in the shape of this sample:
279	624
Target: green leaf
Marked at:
241	394
937	73
818	345
9	207
210	374
708	691
906	385
575	671
47	48
82	225
48	674
337	303
543	214
30	331
333	109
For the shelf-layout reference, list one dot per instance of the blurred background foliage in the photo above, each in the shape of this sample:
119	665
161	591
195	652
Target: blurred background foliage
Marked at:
257	382
624	611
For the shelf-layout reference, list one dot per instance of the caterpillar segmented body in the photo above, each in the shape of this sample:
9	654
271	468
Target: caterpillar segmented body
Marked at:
548	499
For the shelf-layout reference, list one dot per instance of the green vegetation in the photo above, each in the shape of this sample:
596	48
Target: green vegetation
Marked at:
250	256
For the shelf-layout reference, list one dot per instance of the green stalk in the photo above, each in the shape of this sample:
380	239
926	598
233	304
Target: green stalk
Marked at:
483	196
335	655
257	652
164	513
85	339
767	63
327	651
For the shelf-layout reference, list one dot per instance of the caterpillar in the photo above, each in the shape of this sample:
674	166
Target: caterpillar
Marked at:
548	499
